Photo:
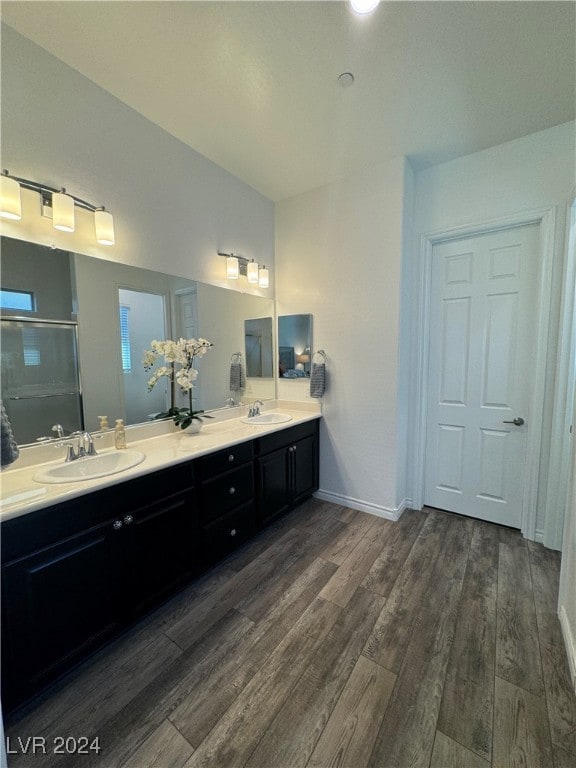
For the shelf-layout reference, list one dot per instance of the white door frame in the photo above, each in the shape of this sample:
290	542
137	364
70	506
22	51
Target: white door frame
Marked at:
561	443
545	218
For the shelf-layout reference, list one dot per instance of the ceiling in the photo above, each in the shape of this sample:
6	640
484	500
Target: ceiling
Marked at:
254	85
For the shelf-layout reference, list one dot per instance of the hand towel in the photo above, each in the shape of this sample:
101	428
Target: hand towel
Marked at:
9	451
318	379
237	377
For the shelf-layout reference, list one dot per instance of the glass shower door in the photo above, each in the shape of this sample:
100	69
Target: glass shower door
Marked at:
39	378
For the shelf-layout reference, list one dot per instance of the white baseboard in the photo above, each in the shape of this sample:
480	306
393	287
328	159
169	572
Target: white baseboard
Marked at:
569	642
389	513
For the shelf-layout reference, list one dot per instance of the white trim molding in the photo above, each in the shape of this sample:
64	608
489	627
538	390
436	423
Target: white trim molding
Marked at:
570	643
388	513
561	438
545	219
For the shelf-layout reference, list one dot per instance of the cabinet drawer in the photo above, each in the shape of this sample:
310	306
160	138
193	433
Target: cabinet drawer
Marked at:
26	533
222	461
286	437
228	532
227	491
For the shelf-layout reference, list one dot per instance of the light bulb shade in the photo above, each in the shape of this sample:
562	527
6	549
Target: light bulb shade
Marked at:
232	268
10	203
263	277
62	212
252	272
104	225
364	6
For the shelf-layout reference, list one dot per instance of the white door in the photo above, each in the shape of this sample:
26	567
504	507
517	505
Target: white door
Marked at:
482	335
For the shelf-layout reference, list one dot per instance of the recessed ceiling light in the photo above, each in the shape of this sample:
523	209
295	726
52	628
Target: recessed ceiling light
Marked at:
346	79
364	6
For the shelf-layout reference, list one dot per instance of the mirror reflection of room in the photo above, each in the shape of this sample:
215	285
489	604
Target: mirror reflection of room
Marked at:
40	380
87	359
294	346
258	343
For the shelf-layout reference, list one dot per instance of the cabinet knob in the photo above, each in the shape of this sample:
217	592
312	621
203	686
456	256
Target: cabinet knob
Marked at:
231	457
128	519
233	532
232	490
117	524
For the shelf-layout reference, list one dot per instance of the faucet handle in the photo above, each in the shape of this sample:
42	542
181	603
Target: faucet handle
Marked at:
91	450
71	454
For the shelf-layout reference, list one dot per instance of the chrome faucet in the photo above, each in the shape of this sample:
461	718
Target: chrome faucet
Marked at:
254	410
85	447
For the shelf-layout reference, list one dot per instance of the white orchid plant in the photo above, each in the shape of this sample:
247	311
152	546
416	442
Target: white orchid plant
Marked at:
181	353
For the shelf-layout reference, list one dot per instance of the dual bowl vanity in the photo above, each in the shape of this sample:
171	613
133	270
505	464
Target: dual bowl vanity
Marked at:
83	559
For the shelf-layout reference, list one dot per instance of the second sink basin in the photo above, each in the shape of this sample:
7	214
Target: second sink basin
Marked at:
267	418
90	467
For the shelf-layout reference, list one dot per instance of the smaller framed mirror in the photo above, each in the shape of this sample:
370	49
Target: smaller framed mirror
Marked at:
258	346
294	346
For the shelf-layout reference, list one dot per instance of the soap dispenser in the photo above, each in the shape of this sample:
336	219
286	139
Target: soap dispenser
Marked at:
120	434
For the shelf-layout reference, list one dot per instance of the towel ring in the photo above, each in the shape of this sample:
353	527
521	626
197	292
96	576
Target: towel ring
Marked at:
236	357
321	353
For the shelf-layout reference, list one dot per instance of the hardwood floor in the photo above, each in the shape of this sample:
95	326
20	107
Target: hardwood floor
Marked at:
333	639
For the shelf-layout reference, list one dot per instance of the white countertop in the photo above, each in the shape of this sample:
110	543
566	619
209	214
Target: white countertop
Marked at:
21	494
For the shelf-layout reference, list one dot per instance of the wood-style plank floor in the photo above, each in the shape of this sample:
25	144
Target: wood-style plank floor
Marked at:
335	638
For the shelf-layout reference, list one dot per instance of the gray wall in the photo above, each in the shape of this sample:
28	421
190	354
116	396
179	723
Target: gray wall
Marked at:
173	209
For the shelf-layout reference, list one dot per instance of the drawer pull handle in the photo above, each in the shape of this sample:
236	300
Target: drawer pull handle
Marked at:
233	532
231	457
232	490
128	519
117	524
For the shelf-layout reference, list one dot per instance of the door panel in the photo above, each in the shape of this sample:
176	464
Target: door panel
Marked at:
449	452
455	351
481	336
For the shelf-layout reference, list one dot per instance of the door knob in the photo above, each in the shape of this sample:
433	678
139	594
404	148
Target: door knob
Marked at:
518	421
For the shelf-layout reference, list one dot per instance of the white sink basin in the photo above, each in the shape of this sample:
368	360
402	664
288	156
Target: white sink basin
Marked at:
90	467
267	418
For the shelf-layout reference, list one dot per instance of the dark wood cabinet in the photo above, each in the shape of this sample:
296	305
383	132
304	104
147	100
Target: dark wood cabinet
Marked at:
287	469
77	573
227	501
74	574
59	602
160	550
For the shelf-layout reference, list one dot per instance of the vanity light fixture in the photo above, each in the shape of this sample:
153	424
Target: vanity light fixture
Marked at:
263	277
63	211
56	203
104	226
232	267
252	272
239	265
11	205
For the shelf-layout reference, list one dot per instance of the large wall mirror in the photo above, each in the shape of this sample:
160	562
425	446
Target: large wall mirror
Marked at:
294	346
75	328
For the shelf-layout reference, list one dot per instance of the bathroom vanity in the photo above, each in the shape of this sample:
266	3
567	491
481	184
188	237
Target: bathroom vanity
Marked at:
84	564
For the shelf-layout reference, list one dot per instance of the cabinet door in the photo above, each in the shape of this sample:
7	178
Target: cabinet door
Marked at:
274	478
160	551
59	602
227	491
228	532
304	469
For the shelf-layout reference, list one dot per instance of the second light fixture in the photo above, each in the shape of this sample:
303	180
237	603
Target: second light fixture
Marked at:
238	265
